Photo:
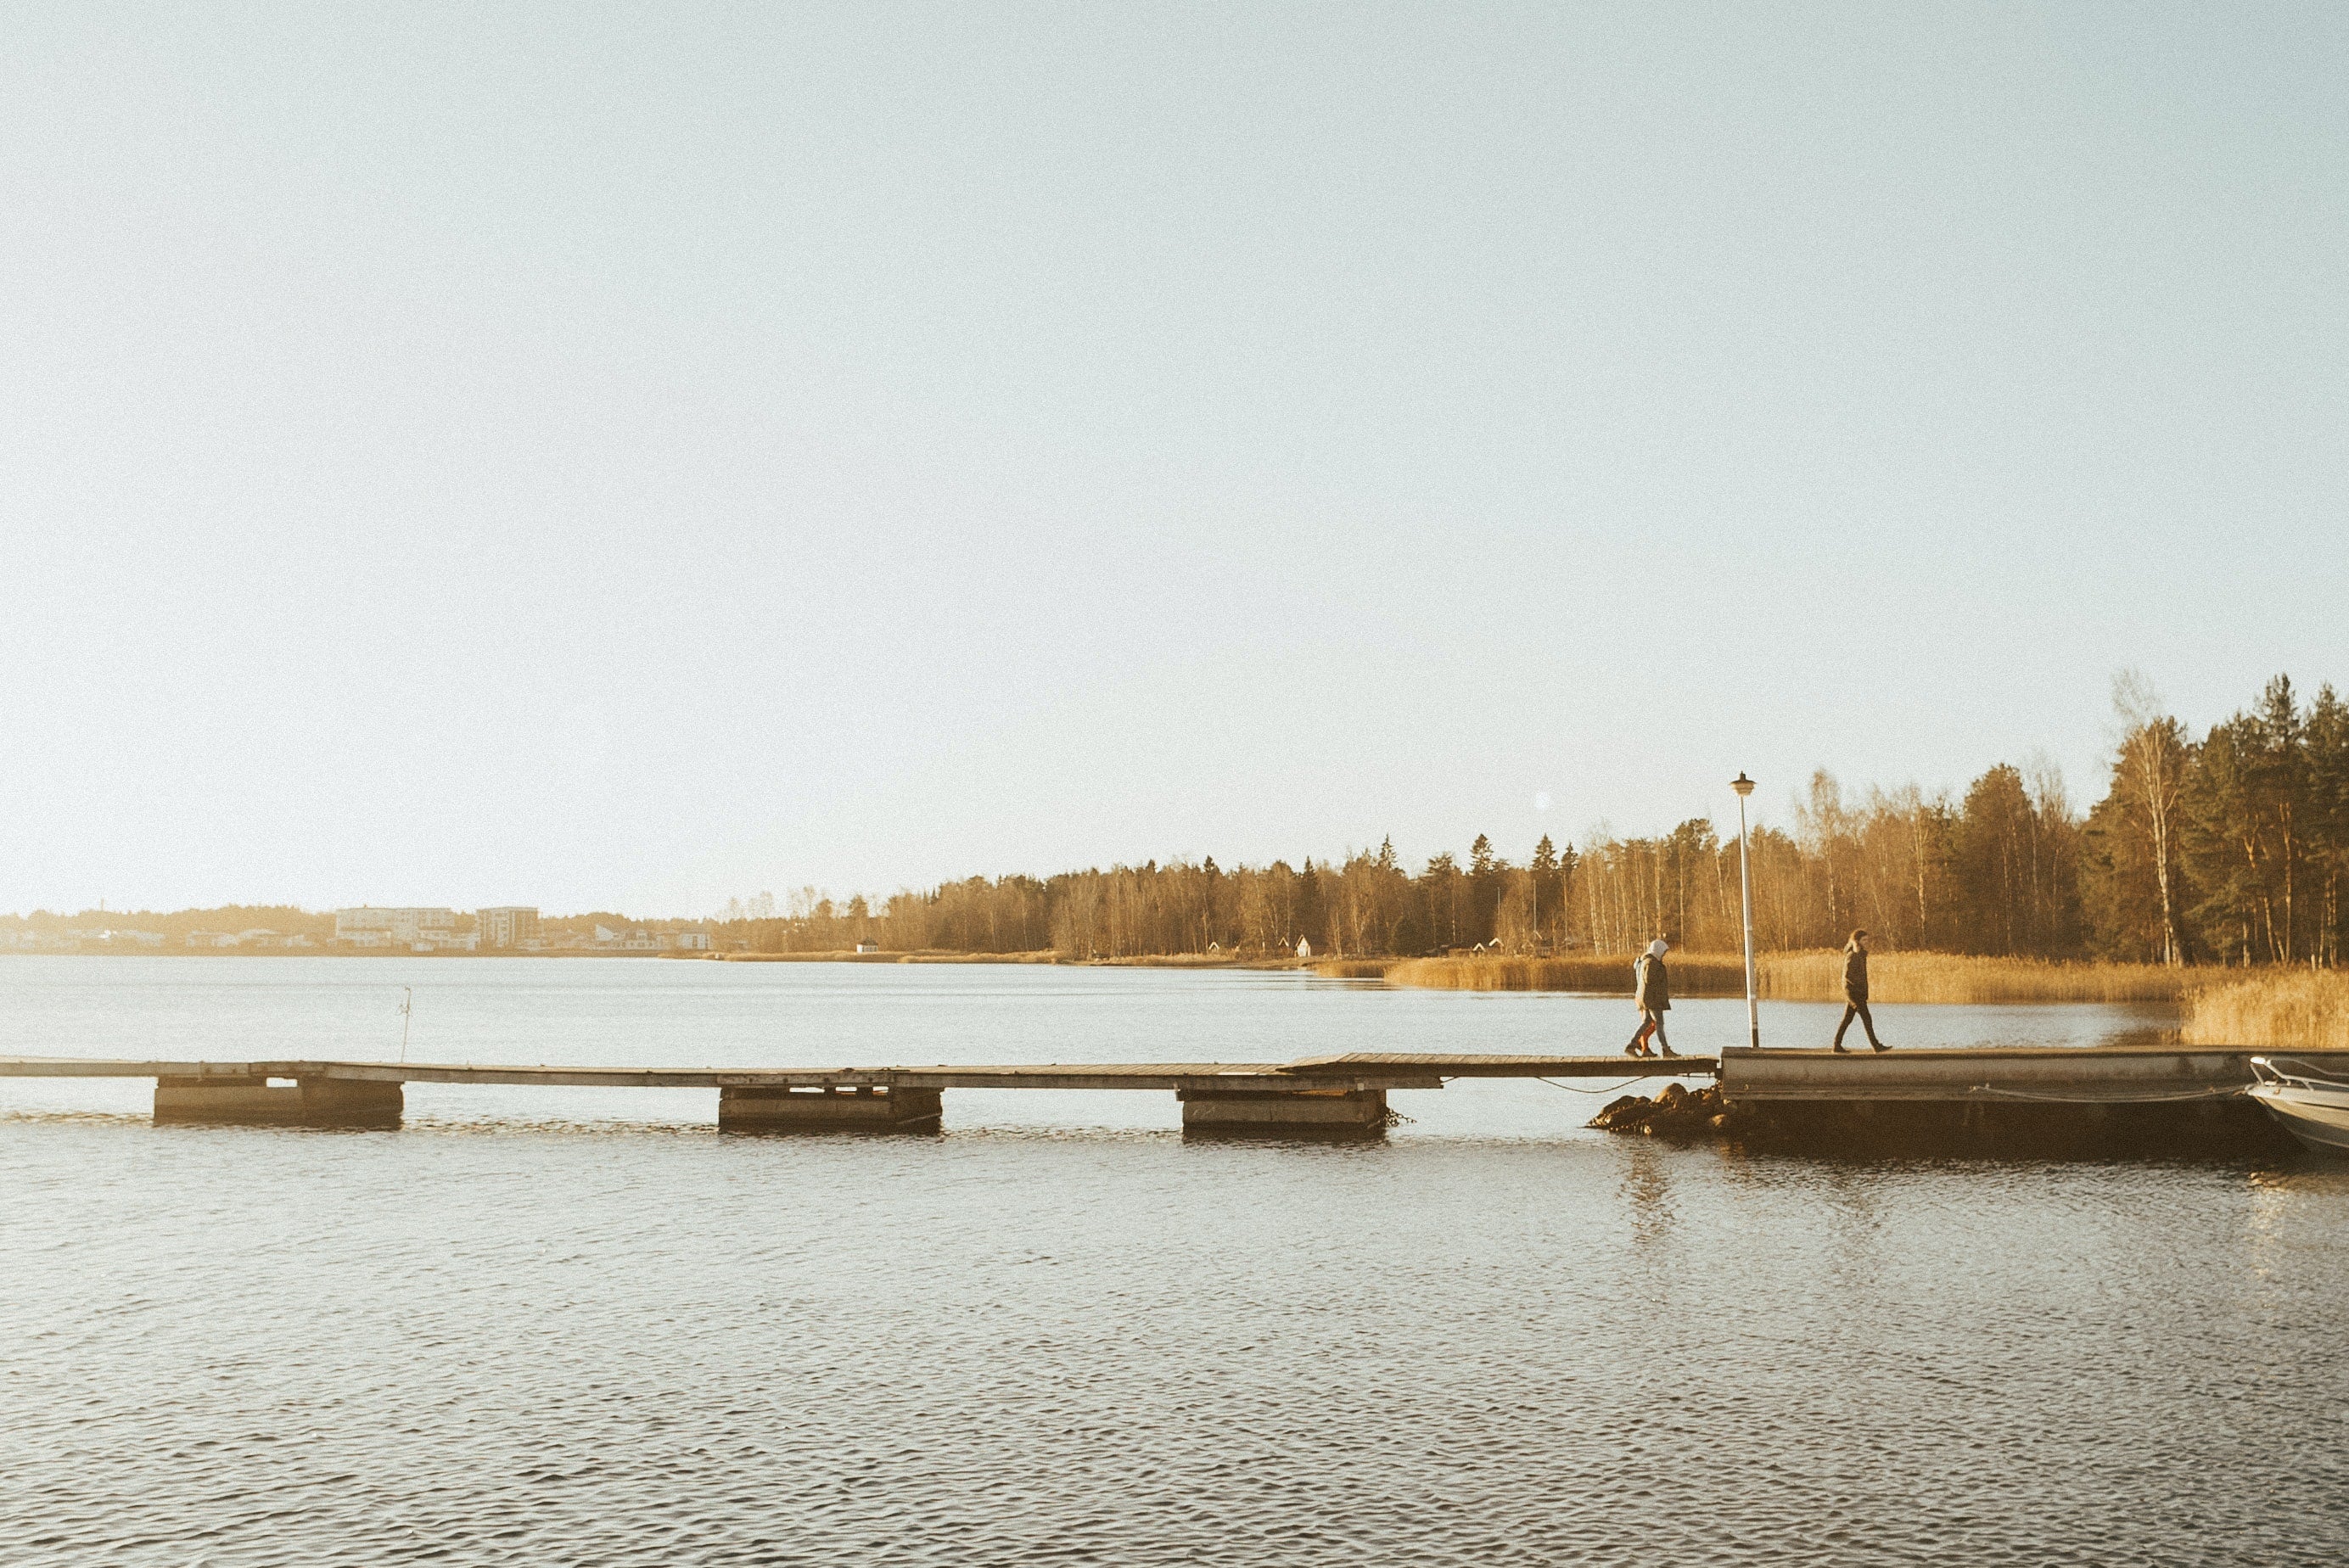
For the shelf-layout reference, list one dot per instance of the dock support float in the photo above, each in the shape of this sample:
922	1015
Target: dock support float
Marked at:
2057	1102
839	1107
251	1102
1284	1113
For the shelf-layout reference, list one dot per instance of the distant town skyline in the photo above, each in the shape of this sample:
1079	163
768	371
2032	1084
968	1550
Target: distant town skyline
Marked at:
514	929
854	449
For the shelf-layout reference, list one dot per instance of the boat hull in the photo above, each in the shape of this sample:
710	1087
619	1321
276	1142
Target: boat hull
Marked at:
2320	1118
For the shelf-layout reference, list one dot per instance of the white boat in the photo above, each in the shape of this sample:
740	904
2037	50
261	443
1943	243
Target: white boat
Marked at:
2313	1106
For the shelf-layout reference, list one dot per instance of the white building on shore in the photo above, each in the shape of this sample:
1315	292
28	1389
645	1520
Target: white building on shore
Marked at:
367	926
507	926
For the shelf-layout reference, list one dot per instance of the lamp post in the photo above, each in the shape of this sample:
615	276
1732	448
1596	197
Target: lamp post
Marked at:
1744	787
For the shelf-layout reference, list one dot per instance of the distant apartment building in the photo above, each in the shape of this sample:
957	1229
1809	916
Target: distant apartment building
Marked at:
367	926
508	925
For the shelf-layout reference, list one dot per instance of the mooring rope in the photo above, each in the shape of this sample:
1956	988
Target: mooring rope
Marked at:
2218	1093
1572	1088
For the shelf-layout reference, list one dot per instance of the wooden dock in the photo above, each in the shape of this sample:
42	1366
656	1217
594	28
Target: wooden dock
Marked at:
1360	1071
1326	1096
1342	1095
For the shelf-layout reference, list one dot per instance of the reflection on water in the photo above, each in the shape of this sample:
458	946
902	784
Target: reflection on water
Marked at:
540	1328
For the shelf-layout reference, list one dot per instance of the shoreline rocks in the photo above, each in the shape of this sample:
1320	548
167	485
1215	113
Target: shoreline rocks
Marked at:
1674	1110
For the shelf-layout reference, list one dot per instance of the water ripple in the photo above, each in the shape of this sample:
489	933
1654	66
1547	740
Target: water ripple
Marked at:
258	1346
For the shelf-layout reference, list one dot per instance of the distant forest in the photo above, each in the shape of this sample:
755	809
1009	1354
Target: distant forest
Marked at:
2229	848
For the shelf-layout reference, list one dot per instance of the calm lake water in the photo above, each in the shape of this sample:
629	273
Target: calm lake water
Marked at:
579	1327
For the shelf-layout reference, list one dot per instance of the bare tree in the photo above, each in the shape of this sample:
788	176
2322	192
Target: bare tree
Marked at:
2148	771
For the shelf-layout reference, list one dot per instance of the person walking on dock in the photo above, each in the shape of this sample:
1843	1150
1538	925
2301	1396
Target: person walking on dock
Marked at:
1855	992
1655	993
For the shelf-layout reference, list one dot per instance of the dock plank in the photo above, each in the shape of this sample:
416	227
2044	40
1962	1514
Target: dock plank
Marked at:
1271	1077
1455	1065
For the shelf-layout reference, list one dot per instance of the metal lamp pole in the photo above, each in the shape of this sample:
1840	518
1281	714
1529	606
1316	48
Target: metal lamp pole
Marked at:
1744	787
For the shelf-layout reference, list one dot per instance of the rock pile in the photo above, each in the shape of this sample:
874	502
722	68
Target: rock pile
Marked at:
1674	1110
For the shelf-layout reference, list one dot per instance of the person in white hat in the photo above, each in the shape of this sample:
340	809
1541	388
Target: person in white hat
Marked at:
1655	993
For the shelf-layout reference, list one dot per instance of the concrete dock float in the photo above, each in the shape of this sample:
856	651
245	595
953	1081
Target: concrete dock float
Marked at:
2084	1075
2163	1099
828	1107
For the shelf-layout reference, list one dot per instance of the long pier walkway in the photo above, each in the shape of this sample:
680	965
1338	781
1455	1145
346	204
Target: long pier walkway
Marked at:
1340	1095
1343	1095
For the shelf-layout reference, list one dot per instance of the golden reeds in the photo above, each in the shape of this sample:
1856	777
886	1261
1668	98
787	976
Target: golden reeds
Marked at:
1353	968
1929	977
1808	976
2280	1007
1693	973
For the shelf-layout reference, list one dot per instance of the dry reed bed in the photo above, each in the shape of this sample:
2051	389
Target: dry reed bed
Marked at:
1915	978
2297	1007
1811	976
1693	973
1353	968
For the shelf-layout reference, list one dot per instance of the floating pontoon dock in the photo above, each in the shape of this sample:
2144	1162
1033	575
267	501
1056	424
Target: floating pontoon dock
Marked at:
1328	1094
1321	1094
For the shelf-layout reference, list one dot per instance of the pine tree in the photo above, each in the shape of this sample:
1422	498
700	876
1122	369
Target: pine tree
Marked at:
1543	879
1488	877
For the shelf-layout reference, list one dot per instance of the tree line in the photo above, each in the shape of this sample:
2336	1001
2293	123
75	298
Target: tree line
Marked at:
2231	847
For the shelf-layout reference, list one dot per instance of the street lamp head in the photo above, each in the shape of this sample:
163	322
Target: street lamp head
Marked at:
1741	784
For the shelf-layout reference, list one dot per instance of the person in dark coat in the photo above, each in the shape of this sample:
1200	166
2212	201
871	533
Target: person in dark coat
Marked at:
1655	992
1855	992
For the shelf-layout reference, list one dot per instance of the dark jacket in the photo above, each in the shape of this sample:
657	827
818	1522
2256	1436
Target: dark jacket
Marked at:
1655	985
1854	974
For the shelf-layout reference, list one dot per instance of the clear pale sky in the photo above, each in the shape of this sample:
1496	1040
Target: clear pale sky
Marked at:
625	456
